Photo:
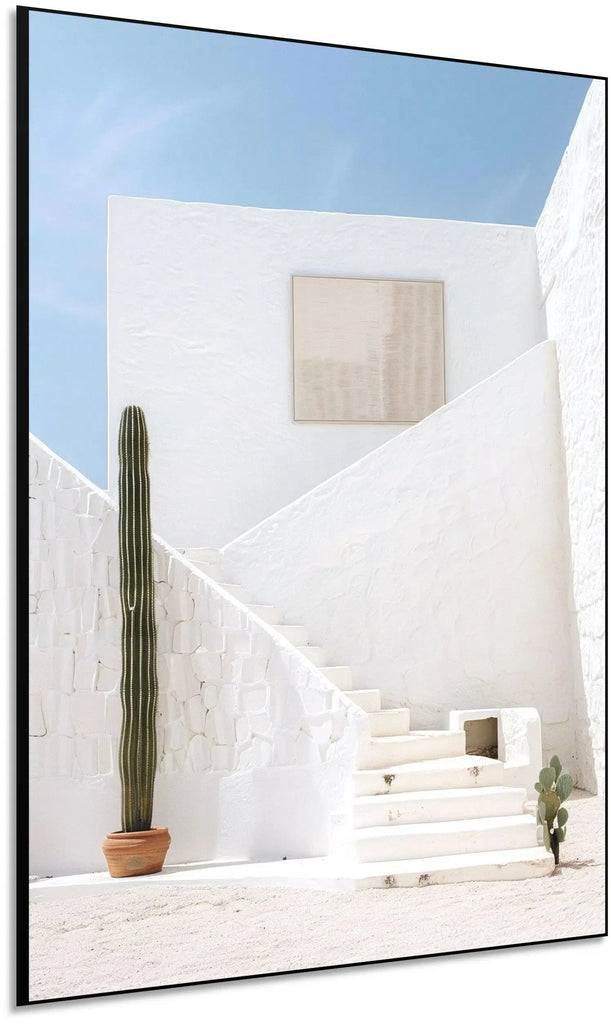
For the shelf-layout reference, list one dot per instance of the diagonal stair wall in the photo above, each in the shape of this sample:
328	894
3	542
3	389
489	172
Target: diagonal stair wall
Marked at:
437	567
248	728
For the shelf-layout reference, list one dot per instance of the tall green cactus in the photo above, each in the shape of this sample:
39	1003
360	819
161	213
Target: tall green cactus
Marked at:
139	686
553	788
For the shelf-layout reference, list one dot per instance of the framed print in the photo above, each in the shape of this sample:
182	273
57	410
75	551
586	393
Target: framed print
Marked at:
316	504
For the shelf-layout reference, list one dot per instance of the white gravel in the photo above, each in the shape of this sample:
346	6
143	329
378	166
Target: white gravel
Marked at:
165	935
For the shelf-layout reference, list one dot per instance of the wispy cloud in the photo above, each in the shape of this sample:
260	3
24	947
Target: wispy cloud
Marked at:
336	170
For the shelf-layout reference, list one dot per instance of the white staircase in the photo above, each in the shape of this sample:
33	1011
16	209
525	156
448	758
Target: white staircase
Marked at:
424	811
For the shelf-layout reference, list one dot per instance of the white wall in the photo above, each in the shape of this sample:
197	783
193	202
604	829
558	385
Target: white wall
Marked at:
571	246
437	566
200	335
247	728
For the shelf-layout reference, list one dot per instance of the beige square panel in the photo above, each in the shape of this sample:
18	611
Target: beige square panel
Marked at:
367	351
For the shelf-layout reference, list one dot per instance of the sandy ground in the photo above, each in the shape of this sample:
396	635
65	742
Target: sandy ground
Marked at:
165	935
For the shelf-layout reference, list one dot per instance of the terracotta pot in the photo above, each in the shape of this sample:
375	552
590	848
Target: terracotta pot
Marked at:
136	853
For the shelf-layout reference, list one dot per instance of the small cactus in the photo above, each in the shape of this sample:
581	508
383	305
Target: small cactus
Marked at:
553	788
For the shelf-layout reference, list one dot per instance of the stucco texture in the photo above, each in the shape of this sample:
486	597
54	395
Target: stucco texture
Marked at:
571	248
437	566
200	335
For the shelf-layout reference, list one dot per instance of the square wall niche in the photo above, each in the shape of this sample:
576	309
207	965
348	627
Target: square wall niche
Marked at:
482	736
367	351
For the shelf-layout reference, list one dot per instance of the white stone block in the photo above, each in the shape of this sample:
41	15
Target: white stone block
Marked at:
161	562
180	756
261	725
67	478
109	603
212	638
86	751
37	723
99	571
58	756
44	461
245	758
168	709
88	712
105	758
223	758
238	641
195	714
40	669
66	599
283	744
233	617
254	669
110	655
159	612
46	630
32	604
215	608
54	473
110	631
83	575
70	622
86	647
89	609
67	528
96	504
114	715
48	520
178	574
56	713
35	518
162	591
187	637
206	665
89	528
107	679
198	753
165	637
229	699
68	498
314	701
163	671
261	644
320	731
175	736
36	757
34	571
33	469
242	730
47	579
306	750
179	605
106	540
261	752
231	667
183	683
167	765
114	576
46	601
210	696
85	674
220	727
255	700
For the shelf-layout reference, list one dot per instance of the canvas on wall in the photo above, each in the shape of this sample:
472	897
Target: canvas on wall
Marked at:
315	472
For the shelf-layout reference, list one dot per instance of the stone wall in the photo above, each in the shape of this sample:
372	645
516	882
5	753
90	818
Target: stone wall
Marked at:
237	701
571	246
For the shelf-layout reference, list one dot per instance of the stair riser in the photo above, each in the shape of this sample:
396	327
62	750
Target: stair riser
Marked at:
476	803
427	778
391	847
367	700
339	675
297	635
495	871
215	572
314	654
414	748
207	556
265	612
390	723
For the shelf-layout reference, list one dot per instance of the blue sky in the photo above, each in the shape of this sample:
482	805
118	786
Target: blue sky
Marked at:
119	108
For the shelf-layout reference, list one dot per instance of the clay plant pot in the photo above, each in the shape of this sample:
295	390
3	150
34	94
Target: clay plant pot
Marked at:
136	853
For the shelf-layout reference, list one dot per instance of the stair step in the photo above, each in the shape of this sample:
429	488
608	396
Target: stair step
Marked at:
237	592
386	751
215	572
441	838
297	635
340	675
489	866
317	655
391	722
266	612
443	773
437	805
206	556
368	700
